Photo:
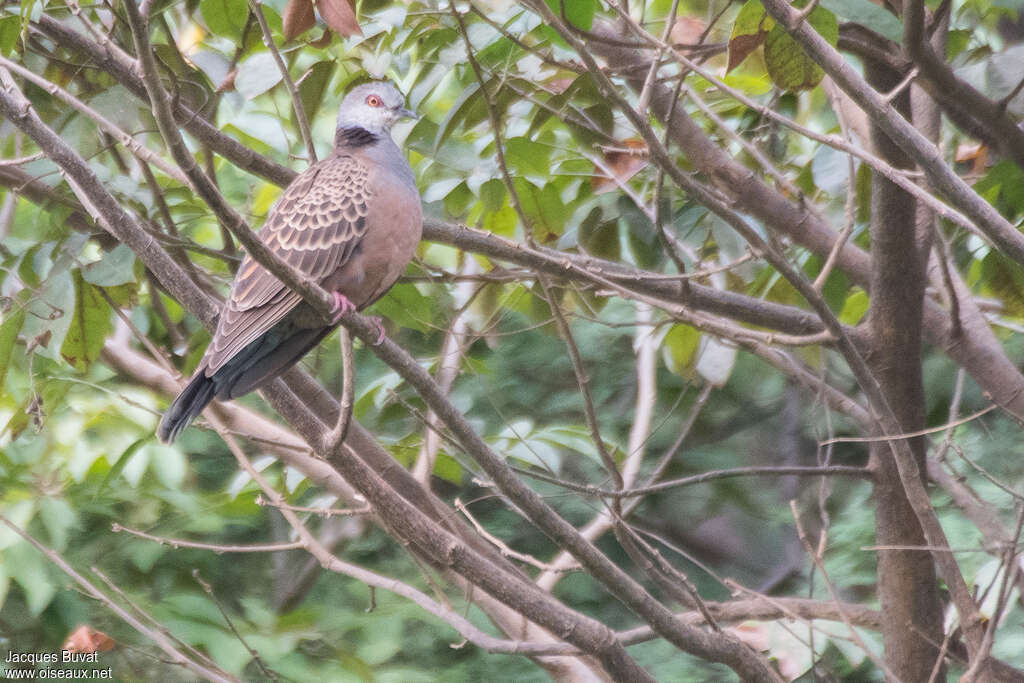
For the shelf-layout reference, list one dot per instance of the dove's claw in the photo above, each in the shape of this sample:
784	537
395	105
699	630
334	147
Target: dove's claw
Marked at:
380	329
342	307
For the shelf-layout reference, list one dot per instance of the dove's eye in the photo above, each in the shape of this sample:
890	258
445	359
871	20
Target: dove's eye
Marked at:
373	101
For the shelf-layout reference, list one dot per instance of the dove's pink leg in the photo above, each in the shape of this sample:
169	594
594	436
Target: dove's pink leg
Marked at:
342	306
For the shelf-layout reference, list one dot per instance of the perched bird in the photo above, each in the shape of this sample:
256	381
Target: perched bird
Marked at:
350	222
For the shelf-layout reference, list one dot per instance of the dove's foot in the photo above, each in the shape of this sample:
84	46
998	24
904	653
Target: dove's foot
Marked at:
342	307
379	324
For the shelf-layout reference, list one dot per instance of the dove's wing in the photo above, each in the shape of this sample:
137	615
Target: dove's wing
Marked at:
315	226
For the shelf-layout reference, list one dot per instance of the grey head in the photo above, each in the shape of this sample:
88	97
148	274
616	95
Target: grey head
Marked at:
373	107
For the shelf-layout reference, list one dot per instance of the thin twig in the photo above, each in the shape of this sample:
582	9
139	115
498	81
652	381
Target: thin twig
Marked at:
910	435
348	391
215	547
819	563
322	512
208	589
139	150
90	588
143	614
300	110
808	471
505	549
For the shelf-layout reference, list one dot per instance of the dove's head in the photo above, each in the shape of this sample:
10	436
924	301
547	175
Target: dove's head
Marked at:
374	107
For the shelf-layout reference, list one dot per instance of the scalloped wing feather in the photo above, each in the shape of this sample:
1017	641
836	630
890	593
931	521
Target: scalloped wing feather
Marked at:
315	226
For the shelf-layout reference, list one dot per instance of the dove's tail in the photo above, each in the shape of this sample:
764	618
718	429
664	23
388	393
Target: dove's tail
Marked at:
189	403
251	368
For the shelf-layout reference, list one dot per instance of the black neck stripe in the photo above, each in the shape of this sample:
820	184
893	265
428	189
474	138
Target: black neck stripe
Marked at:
354	136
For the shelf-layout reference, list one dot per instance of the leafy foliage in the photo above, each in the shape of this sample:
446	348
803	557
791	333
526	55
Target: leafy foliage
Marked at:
77	453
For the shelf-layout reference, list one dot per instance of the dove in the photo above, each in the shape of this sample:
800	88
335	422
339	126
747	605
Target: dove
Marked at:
350	223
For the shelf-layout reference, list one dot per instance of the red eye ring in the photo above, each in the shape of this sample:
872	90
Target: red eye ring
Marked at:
373	101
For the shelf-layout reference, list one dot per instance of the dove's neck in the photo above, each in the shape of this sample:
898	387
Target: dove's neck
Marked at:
354	136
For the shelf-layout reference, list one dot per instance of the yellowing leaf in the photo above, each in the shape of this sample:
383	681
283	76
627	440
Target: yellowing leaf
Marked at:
90	325
620	165
9	329
748	32
678	348
788	65
854	308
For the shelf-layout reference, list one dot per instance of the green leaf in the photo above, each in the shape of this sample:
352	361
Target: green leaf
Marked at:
32	262
58	517
405	306
837	284
600	237
48	314
854	308
544	207
579	13
492	194
15	426
1003	185
458	201
124	296
314	85
788	65
501	222
90	325
678	348
28	568
20	514
748	32
528	157
440	189
1004	278
225	17
957	41
5	581
168	464
10	31
867	14
448	468
119	464
256	75
9	335
471	97
115	268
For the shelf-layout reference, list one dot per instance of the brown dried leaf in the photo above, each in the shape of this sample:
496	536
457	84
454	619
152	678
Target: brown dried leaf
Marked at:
975	154
623	163
42	339
749	30
741	46
87	639
298	18
340	15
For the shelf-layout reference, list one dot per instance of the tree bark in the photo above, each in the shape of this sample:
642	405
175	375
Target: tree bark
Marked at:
912	611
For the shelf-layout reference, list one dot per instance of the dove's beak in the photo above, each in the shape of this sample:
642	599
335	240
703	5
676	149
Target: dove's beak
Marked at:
404	113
